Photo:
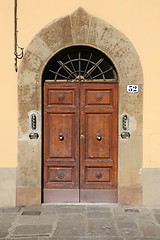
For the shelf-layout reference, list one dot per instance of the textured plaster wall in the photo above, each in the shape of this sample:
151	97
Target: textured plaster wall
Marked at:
137	19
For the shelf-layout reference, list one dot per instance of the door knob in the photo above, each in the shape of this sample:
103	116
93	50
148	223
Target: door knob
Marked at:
99	137
81	136
61	137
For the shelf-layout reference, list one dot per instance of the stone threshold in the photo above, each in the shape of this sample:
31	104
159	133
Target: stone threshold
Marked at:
80	204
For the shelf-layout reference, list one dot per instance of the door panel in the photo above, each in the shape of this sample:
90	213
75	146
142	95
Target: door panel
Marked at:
98	174
61	124
98	128
59	174
58	97
99	97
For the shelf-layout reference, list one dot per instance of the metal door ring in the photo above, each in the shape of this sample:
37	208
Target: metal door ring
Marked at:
61	175
98	175
61	97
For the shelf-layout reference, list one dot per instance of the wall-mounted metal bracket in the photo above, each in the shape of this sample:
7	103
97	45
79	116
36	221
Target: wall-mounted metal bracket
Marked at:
16	47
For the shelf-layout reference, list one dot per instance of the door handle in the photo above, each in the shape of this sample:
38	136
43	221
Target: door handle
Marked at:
99	137
61	137
81	136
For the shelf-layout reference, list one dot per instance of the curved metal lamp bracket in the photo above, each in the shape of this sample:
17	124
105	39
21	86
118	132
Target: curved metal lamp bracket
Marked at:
16	47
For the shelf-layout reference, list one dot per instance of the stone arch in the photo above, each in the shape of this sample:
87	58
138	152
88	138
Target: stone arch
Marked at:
79	28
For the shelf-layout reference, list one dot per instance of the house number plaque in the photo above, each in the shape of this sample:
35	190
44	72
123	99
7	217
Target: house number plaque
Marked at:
132	88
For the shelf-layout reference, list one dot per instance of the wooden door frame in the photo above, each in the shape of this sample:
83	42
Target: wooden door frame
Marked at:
79	28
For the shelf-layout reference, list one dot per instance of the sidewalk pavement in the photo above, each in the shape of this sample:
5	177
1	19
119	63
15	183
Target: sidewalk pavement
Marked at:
80	222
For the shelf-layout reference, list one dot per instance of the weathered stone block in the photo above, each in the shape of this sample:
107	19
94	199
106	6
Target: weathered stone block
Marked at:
38	48
80	23
31	62
28	196
57	34
130	161
29	166
27	77
103	35
130	196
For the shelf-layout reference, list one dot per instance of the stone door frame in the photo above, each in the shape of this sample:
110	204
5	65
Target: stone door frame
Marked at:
79	28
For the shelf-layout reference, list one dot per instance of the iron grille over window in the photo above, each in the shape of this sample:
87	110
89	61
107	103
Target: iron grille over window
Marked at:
80	64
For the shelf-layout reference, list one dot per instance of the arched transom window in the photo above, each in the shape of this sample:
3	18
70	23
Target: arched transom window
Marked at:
80	64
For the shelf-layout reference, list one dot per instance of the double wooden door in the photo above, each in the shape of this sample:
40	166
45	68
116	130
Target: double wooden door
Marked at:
80	142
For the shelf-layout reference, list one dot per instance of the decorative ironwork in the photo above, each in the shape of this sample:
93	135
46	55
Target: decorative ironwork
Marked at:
80	64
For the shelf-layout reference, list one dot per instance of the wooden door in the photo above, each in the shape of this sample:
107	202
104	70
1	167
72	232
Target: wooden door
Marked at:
98	144
80	142
61	142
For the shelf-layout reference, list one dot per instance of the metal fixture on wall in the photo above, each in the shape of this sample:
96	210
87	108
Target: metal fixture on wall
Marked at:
125	126
16	47
33	119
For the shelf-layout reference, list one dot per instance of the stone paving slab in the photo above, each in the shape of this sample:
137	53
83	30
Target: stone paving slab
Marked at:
127	224
101	227
157	217
150	231
72	217
80	222
70	229
32	229
99	214
35	220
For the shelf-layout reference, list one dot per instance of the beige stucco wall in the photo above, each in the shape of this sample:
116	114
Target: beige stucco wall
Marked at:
137	19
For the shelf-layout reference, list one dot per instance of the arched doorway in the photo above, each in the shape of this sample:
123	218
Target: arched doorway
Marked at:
78	29
80	127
